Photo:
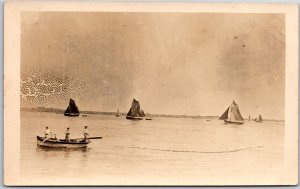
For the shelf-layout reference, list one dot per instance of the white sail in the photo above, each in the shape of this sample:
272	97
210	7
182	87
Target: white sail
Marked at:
232	113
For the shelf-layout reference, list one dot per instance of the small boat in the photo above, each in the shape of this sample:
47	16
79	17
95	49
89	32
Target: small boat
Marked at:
72	109
135	113
84	115
148	117
232	115
61	143
118	113
259	119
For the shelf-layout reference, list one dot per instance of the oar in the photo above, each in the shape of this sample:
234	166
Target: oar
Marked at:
42	143
89	138
95	138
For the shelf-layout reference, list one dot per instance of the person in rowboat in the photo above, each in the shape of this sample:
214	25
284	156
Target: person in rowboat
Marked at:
67	134
47	133
86	133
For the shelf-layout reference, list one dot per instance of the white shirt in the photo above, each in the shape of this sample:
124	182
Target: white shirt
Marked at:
47	131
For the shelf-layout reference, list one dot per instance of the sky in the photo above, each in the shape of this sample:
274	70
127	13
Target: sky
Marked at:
173	63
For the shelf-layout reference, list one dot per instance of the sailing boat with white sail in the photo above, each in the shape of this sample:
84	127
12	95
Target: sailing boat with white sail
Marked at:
259	119
232	115
135	112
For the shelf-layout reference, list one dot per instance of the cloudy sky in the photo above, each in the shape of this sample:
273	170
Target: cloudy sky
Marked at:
173	63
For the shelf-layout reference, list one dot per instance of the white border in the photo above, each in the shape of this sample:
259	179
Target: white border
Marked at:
12	84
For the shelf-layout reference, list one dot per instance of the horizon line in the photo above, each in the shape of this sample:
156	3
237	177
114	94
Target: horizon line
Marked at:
151	114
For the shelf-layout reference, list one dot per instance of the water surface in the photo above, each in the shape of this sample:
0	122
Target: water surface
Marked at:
167	150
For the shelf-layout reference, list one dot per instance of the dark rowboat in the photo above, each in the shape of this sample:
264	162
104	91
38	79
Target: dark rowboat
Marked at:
61	143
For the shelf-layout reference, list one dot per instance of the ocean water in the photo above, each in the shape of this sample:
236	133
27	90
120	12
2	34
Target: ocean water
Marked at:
173	151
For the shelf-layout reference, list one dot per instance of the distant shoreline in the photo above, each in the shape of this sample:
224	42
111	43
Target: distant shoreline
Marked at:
61	111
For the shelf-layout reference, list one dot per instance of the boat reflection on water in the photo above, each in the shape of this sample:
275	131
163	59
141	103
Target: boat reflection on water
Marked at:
47	149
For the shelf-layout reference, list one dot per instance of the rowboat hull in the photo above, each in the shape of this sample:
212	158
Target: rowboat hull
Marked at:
134	118
61	143
234	122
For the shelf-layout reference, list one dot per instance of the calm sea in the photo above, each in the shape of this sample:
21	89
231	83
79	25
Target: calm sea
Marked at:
164	150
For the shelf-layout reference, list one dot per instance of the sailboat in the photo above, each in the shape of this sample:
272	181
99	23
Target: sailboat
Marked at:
148	117
259	119
118	113
232	115
135	112
72	109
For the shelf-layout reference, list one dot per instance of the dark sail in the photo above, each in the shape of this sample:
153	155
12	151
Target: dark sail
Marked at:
135	110
72	109
224	115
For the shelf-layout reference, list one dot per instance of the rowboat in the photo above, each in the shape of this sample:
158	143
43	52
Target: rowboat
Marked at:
61	143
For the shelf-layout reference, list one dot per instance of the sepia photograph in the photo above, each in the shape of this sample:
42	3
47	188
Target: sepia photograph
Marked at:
134	95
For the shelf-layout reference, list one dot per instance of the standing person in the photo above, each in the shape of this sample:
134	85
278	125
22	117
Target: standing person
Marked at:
85	133
67	134
47	133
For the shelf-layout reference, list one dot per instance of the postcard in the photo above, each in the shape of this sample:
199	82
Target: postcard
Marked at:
150	94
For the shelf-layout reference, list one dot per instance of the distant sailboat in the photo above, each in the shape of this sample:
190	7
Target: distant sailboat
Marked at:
232	115
148	117
259	119
72	109
135	112
118	113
